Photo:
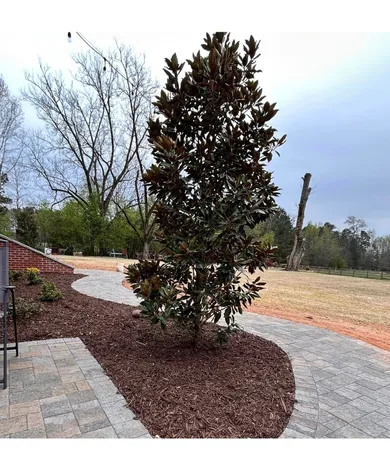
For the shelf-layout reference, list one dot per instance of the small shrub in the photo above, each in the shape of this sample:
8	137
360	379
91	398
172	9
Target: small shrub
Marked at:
33	277
307	268
50	292
26	308
15	275
224	334
341	264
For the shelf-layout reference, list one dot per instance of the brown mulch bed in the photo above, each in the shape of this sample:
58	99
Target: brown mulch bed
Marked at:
244	389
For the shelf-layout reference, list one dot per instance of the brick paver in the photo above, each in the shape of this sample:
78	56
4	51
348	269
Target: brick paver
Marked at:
105	285
57	389
344	381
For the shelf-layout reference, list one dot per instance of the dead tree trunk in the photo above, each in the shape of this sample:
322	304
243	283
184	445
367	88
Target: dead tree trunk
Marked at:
296	255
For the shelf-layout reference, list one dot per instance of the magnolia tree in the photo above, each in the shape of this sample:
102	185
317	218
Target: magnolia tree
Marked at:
211	144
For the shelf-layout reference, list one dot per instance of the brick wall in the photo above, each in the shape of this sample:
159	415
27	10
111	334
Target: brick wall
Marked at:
22	257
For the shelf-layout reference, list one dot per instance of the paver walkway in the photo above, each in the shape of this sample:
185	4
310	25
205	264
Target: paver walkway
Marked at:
342	384
57	389
105	285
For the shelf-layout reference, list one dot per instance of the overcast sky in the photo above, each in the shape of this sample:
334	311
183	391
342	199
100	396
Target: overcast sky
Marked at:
332	89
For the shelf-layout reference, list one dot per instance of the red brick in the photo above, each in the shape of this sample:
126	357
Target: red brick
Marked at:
22	257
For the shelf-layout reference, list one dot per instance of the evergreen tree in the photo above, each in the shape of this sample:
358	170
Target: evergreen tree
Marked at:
211	148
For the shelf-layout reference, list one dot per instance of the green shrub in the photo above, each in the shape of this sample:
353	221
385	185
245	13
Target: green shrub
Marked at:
26	308
15	275
307	268
341	264
50	292
33	277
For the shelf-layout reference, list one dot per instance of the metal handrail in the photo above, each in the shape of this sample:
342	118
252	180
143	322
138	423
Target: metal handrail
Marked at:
5	288
5	348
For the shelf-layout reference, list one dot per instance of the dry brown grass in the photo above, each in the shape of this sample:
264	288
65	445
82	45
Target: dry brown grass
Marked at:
357	307
97	263
367	301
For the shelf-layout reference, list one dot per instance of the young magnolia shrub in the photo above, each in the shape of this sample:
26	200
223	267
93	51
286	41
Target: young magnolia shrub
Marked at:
211	144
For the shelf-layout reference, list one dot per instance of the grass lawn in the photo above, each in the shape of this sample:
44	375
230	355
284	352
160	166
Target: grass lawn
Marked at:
357	307
95	262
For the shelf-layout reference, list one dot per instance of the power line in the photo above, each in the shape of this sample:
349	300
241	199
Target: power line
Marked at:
94	49
106	61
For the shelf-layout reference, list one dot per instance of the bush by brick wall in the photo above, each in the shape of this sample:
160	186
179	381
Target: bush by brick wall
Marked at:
21	257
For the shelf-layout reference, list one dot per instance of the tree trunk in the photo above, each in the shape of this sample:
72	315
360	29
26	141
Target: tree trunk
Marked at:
103	251
146	254
198	310
298	250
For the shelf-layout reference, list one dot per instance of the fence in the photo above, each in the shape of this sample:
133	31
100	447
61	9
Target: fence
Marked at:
374	274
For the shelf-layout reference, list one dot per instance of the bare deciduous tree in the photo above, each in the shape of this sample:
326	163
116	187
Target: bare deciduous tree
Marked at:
23	185
145	206
355	225
11	119
94	142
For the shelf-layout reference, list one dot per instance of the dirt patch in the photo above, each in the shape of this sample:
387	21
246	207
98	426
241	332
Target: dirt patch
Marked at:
244	389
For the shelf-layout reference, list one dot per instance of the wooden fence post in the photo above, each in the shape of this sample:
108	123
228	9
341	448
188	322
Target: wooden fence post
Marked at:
381	275
353	274
367	274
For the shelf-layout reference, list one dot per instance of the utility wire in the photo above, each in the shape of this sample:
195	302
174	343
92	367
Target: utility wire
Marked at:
94	49
90	45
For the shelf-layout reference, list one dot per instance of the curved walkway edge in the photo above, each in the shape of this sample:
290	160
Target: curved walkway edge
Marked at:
342	384
105	285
